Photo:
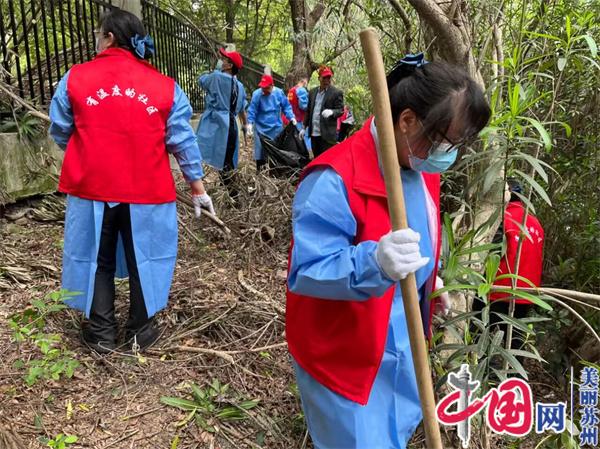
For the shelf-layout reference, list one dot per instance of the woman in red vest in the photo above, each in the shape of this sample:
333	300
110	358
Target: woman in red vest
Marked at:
345	321
118	119
531	260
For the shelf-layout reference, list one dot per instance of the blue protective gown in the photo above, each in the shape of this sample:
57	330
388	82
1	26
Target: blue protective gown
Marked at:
214	125
265	113
154	226
302	94
326	264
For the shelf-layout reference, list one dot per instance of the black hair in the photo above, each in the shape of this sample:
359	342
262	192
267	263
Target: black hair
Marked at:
124	26
514	187
438	92
234	69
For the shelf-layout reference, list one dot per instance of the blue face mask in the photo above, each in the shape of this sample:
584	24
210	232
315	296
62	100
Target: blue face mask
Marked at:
441	157
219	64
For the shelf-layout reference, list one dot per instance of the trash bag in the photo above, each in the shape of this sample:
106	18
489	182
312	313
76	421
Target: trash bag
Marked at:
287	154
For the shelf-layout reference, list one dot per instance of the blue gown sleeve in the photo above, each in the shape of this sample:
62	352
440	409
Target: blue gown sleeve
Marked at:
286	106
324	262
204	80
302	94
253	108
181	140
61	114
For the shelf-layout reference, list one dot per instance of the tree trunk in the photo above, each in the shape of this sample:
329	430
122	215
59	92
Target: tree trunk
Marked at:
450	24
303	24
230	20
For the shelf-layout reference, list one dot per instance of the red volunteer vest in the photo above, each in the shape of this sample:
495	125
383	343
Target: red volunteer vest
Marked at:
117	150
298	113
532	249
341	343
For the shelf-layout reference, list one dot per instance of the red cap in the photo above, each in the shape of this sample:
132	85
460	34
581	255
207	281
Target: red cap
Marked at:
234	57
325	71
266	81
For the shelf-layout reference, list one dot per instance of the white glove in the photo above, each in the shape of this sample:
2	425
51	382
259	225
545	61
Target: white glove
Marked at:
249	131
398	253
443	305
327	113
301	133
202	201
294	122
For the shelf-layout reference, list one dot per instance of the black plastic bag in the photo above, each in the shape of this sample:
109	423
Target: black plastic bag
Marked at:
287	154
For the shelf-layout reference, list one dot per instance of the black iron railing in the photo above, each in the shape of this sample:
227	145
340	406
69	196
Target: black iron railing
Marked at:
41	39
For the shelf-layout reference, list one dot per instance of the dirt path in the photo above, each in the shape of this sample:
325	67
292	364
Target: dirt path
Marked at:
227	300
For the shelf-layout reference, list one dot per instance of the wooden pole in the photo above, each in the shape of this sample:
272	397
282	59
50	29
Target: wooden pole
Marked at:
393	184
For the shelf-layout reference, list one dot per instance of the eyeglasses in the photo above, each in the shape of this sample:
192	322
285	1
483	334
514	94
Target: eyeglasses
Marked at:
434	143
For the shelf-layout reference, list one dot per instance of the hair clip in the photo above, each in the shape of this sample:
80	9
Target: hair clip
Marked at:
141	44
405	67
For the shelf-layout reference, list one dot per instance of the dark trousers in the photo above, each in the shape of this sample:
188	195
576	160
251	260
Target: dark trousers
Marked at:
226	174
319	145
495	321
102	322
260	164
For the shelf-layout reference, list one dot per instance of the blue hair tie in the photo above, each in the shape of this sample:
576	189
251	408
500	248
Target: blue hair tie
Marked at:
405	67
141	44
416	60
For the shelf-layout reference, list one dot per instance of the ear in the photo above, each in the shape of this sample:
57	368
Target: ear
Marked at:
408	122
111	41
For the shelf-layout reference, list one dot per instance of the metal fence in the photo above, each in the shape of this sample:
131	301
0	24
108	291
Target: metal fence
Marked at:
41	39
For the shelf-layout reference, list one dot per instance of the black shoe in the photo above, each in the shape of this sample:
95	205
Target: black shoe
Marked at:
102	346
143	338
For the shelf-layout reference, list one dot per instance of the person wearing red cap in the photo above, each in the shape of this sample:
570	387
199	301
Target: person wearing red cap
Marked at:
325	105
266	106
217	132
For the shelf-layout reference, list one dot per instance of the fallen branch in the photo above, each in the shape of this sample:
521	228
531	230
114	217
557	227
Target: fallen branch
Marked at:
558	291
278	308
123	438
227	355
33	111
185	200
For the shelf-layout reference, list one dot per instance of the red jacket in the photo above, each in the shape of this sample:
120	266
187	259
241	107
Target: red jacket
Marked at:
117	151
341	343
532	249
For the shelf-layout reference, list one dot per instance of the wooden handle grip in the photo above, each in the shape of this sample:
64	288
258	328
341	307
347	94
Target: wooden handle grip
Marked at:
393	184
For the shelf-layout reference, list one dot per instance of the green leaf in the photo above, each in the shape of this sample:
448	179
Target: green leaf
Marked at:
524	295
516	323
483	290
71	439
535	163
536	186
592	44
197	392
541	131
568	28
180	403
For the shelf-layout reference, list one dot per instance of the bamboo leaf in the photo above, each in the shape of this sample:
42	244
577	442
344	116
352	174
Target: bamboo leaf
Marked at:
536	186
524	295
516	323
592	45
541	131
